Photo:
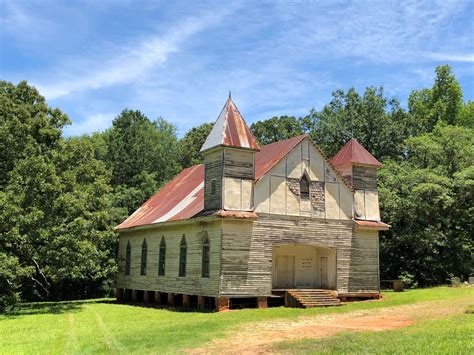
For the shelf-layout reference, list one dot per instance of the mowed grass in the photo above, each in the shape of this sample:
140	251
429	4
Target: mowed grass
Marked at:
452	335
101	326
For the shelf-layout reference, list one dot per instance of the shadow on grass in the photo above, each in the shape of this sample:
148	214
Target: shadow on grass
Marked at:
58	307
177	309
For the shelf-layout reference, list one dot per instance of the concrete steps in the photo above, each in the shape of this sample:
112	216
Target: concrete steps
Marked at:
308	298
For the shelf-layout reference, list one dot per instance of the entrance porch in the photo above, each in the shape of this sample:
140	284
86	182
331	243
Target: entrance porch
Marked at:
301	266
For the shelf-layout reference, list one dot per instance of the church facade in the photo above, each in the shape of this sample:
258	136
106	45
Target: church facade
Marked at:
253	223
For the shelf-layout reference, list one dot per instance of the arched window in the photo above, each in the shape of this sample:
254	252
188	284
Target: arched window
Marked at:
205	256
162	257
143	262
183	249
304	188
128	257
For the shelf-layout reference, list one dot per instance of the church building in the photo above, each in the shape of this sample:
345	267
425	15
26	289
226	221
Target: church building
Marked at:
256	225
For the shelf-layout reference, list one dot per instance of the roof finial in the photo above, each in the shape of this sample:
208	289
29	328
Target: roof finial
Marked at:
230	95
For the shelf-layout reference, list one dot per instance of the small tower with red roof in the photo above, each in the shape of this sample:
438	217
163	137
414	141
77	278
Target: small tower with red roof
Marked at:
229	162
359	168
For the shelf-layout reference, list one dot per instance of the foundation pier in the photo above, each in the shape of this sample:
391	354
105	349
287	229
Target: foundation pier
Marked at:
222	304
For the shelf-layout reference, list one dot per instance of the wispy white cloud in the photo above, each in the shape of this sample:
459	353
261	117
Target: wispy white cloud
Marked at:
463	58
381	32
19	21
123	64
178	61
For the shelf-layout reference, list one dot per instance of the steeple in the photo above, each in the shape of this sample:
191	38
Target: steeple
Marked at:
229	162
230	130
353	153
359	168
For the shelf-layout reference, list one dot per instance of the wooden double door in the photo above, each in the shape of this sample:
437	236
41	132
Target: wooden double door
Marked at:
285	272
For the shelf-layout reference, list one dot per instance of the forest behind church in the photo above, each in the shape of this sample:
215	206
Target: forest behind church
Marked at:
61	197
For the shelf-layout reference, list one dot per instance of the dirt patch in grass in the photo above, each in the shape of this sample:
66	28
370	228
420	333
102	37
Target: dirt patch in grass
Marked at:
259	337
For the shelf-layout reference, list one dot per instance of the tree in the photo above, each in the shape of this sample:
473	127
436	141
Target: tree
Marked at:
27	125
442	102
11	274
378	123
466	115
190	145
276	129
56	234
142	156
55	222
428	201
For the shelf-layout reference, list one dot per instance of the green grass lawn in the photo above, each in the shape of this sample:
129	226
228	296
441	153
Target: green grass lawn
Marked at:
101	326
452	335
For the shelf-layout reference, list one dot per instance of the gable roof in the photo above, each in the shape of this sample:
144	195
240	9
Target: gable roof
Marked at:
354	153
271	154
183	197
230	130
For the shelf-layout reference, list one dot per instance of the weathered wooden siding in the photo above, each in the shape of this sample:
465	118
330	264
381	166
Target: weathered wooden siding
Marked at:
238	179
193	283
239	164
364	178
364	265
213	163
247	249
278	191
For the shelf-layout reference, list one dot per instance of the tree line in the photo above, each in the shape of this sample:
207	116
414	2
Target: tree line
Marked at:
60	198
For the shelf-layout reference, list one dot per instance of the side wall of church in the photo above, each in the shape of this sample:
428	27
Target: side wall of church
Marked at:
193	283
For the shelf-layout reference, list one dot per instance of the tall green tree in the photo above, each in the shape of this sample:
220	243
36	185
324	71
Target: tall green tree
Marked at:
427	195
427	199
276	129
142	155
443	102
56	237
55	221
191	144
28	125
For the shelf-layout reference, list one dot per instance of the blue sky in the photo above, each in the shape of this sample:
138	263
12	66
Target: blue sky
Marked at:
179	59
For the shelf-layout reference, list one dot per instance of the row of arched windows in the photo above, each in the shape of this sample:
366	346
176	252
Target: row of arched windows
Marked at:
183	251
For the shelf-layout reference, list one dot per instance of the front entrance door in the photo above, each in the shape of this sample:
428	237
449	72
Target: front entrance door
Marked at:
285	271
324	272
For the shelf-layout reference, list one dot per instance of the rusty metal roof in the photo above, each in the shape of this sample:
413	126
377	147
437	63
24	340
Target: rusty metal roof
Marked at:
183	197
354	153
372	225
230	130
271	154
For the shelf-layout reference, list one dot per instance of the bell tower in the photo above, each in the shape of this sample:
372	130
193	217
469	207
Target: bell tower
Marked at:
359	168
229	162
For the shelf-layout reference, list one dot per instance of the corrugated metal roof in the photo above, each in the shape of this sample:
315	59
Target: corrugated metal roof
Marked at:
183	197
230	130
271	154
354	153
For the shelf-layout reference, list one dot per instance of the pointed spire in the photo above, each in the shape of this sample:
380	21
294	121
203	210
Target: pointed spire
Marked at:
230	130
354	153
